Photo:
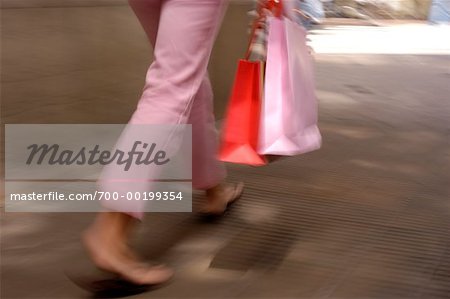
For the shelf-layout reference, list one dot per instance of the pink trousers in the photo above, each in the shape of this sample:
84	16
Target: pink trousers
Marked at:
177	88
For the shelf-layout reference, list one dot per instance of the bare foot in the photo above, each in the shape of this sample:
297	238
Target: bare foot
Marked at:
220	197
114	256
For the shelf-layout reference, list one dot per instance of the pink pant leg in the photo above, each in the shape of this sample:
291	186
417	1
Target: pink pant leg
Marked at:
207	170
184	41
177	90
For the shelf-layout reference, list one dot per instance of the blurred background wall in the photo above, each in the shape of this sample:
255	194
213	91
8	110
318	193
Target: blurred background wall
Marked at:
84	61
64	63
416	9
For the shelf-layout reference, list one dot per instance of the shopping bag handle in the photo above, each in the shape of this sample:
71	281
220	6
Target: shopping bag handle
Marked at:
276	7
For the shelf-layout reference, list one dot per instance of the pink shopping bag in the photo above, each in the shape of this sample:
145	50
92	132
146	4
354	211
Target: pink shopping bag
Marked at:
289	114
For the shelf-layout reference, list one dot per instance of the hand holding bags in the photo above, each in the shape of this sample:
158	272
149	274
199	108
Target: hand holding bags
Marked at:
281	119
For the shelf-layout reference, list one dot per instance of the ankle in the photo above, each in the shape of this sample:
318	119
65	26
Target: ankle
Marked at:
217	190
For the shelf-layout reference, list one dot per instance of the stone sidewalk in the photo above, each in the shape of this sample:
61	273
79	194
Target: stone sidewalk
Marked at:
365	217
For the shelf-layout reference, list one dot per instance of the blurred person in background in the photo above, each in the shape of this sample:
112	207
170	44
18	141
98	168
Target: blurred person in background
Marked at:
313	9
439	12
177	91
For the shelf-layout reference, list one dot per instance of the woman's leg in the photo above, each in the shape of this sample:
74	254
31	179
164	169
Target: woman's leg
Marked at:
192	104
207	172
182	33
183	45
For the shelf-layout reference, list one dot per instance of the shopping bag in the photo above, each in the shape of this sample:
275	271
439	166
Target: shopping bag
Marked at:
240	130
289	111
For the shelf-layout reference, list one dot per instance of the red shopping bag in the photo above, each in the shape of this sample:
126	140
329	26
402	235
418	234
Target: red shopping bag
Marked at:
241	127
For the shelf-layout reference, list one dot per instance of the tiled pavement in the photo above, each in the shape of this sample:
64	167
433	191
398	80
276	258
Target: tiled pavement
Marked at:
367	216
